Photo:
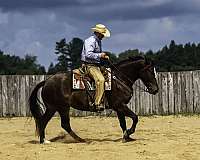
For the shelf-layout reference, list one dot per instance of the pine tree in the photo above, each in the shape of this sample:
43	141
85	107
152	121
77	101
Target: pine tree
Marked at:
64	58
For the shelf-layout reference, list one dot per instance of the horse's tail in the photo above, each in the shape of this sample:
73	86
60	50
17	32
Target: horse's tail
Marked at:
34	105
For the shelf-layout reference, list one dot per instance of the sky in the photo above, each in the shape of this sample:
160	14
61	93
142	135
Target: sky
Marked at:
33	26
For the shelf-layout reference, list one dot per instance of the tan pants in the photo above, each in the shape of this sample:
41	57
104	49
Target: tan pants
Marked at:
95	73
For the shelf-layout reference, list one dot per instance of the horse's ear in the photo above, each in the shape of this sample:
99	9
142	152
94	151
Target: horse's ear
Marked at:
148	60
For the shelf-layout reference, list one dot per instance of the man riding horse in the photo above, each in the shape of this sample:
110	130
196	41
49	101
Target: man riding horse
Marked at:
58	96
91	58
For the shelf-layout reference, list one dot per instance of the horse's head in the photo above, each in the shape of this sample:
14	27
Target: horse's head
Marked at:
148	75
138	67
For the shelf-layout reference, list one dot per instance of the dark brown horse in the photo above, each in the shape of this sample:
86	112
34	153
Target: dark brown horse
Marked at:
58	95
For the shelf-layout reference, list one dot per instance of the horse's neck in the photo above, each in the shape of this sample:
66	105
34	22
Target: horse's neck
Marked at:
130	73
123	78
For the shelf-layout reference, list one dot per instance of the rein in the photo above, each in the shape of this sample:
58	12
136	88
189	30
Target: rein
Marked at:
125	76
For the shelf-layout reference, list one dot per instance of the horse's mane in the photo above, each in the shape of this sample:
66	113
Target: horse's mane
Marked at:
130	59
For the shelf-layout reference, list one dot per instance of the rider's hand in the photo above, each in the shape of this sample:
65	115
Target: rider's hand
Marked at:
103	55
106	57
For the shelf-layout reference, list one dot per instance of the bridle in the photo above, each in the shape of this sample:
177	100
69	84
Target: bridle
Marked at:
147	67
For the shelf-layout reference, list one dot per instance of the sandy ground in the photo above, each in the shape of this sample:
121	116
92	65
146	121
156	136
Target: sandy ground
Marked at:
156	138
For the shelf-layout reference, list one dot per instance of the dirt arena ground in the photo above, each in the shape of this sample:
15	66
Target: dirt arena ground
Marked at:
156	138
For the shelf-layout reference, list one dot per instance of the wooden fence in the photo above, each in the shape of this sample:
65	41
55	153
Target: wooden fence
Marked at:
179	93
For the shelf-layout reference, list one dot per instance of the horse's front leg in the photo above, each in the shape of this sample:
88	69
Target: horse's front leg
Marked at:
122	112
122	120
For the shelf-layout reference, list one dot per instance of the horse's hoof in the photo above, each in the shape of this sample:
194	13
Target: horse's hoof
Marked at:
46	142
128	139
82	140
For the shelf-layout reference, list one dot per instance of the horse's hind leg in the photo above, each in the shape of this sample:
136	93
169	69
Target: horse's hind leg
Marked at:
65	124
43	123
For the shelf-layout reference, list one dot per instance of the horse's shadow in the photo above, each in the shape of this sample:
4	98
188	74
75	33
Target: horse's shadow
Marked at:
65	139
90	140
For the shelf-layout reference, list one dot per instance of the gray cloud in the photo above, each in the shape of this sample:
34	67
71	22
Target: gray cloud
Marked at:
21	5
107	10
33	26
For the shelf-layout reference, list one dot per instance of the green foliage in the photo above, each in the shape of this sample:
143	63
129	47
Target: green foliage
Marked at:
128	53
52	69
21	66
69	55
76	46
178	57
64	56
172	57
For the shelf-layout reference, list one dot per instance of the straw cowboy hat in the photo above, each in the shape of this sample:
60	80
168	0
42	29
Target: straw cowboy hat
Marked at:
100	28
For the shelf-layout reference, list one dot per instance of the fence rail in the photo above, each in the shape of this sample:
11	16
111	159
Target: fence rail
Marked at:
179	93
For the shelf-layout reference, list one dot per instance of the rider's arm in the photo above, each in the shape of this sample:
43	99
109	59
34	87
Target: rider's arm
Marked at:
91	50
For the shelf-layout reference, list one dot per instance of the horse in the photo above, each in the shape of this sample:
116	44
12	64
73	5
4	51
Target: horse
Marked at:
57	95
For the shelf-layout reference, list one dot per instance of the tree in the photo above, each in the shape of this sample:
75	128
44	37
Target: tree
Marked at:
128	53
16	65
69	53
51	69
64	58
75	47
172	57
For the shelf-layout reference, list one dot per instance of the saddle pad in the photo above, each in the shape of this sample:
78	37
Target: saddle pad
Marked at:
78	82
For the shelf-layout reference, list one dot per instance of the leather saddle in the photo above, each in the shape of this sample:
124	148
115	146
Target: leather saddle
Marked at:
81	79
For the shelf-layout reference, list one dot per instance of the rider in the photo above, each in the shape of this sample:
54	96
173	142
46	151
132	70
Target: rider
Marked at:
91	57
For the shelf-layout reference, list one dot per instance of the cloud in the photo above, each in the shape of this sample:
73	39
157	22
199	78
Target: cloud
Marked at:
153	33
106	10
4	18
21	5
34	26
34	34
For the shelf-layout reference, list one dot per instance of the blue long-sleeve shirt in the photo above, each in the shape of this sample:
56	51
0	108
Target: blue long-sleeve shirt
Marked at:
91	52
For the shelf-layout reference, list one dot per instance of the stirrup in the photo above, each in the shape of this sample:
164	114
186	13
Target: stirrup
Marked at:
96	108
99	108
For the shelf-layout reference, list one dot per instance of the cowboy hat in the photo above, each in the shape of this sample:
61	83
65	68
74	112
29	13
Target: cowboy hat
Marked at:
100	28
